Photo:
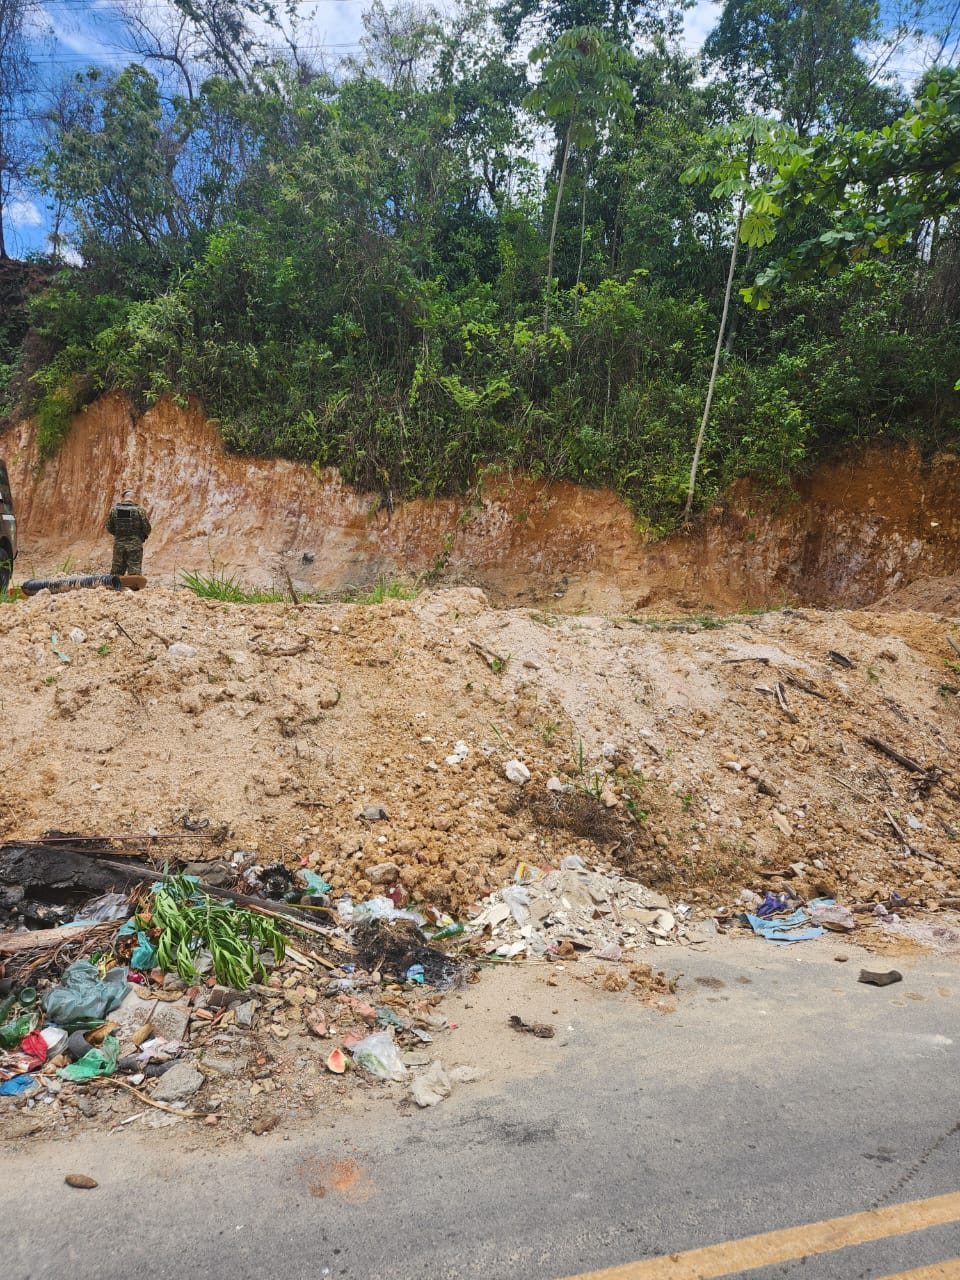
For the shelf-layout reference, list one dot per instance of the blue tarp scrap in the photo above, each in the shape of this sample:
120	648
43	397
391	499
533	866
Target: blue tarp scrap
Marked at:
783	930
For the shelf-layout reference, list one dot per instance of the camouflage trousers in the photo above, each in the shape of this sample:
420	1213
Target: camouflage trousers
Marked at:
127	555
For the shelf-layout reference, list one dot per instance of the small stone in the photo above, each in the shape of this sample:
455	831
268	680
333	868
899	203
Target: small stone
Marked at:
781	822
264	1124
82	1181
734	765
554	784
181	650
223	1066
78	637
374	813
383	873
245	1013
179	1083
516	771
218	997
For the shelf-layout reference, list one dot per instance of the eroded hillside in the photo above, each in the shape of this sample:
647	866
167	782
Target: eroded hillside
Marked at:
858	530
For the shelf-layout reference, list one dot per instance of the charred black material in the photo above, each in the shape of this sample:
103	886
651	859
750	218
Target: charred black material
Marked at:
33	585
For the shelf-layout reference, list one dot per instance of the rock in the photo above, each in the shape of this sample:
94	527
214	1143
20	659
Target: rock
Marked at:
181	650
554	784
460	753
132	1015
179	1083
223	1066
781	822
412	1058
78	637
264	1124
326	695
244	1013
430	1087
82	1181
516	771
375	813
170	1020
383	873
221	997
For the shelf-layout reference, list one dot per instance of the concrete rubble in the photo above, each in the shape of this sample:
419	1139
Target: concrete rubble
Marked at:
602	913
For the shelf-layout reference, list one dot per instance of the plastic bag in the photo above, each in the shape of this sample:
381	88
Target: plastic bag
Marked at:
143	958
314	884
109	906
98	1062
379	1055
83	999
19	1084
35	1047
13	1033
379	908
518	900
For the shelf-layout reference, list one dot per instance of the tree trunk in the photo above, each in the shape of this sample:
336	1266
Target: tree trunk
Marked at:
583	229
716	361
553	227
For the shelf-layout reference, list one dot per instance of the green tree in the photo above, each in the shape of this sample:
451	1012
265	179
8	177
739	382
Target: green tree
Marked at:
799	60
17	80
874	189
581	90
741	155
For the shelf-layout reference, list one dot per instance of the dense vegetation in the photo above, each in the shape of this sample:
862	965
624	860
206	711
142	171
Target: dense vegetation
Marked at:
366	268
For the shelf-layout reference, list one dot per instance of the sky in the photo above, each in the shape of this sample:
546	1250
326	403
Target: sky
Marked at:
73	34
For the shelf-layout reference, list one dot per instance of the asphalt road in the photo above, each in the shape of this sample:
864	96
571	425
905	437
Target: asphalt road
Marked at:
786	1095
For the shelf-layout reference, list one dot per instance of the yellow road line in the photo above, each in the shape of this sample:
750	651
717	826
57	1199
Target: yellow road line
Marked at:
949	1270
793	1242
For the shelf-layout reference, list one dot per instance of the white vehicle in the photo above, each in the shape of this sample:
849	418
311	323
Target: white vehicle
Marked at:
8	530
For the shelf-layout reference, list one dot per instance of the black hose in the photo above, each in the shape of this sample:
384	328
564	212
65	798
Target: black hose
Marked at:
33	585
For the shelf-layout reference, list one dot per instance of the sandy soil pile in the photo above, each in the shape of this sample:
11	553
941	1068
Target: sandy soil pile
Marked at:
698	758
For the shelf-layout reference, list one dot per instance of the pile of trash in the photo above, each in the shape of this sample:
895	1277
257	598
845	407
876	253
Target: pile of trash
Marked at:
556	912
170	989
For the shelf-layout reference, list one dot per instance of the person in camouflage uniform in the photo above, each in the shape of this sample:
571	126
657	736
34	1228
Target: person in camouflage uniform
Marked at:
130	527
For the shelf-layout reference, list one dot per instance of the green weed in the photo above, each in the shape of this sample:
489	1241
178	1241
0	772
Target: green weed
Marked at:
219	586
383	589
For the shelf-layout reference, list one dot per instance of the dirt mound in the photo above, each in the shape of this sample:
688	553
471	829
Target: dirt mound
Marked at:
930	595
346	737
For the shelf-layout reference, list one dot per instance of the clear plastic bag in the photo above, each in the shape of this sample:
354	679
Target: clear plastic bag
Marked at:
379	1055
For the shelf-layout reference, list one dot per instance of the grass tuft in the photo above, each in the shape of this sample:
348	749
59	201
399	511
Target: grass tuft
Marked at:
221	586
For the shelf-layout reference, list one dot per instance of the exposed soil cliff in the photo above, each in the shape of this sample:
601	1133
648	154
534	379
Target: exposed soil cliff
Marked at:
860	529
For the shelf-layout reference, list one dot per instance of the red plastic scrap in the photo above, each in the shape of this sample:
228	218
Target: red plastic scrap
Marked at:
36	1047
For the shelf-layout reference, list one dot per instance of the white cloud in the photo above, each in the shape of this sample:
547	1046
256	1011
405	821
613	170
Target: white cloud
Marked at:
23	213
78	40
698	22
